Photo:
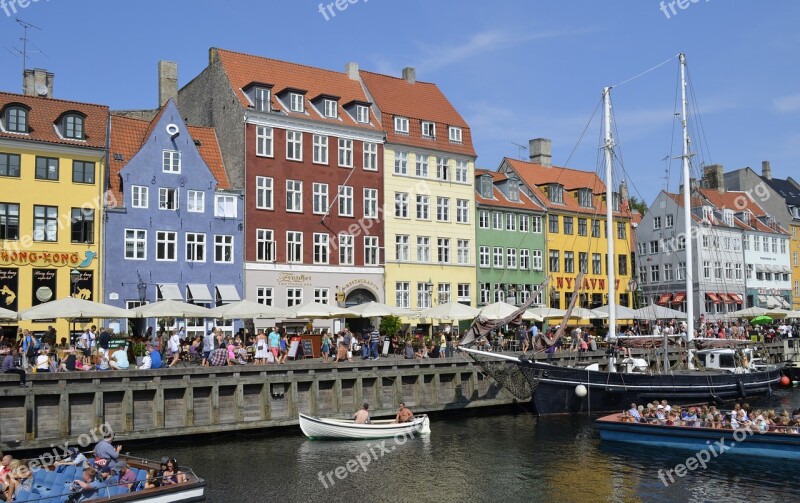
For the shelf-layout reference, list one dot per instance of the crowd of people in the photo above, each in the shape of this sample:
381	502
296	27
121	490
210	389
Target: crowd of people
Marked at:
102	468
708	416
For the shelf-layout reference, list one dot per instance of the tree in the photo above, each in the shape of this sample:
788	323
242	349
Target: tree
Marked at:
390	325
638	205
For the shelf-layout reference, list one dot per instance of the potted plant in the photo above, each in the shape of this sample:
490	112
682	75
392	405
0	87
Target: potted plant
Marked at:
139	350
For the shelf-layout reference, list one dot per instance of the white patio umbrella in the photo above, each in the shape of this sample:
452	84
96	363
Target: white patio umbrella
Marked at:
243	309
543	312
373	309
313	310
170	309
70	308
497	310
750	312
450	311
777	312
588	314
656	312
622	312
793	314
5	314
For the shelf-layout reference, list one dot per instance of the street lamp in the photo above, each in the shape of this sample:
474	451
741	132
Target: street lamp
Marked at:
74	277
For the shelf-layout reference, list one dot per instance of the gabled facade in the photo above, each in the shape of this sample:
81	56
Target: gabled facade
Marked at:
176	230
509	239
575	229
305	146
52	178
428	181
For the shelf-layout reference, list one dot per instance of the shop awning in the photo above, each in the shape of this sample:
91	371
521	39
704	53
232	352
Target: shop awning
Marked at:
762	299
714	298
736	298
170	291
198	293
679	297
724	297
227	294
664	299
762	268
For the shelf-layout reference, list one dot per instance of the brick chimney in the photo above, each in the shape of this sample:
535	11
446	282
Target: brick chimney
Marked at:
37	82
623	192
410	74
714	177
539	149
167	81
351	69
766	170
692	184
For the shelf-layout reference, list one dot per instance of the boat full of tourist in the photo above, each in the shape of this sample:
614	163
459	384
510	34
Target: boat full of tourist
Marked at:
760	434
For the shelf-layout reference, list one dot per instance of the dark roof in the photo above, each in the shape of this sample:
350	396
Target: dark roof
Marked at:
787	190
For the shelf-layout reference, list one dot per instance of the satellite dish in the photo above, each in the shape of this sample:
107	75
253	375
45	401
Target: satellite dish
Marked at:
41	89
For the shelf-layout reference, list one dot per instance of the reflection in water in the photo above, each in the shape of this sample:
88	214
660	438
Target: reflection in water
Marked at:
508	458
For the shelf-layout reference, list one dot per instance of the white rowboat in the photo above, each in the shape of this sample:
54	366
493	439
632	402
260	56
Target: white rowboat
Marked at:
324	428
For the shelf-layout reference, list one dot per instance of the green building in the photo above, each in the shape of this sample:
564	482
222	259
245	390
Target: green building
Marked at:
509	238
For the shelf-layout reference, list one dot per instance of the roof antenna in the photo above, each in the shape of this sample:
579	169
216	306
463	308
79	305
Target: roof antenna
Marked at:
24	52
521	148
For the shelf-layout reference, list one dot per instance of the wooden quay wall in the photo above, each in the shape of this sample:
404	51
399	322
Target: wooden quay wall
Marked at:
148	404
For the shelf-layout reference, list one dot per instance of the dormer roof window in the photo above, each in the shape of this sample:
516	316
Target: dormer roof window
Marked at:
401	125
296	102
585	198
486	187
708	214
72	126
454	134
428	129
331	108
513	190
362	114
15	119
261	99
555	192
615	201
727	217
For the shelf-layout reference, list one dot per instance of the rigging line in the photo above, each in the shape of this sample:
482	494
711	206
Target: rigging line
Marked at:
646	71
695	102
585	128
338	193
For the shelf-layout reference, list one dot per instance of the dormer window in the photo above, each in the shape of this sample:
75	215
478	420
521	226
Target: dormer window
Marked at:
555	192
428	129
296	103
486	187
16	119
585	198
261	99
331	110
455	134
362	114
745	217
72	126
708	213
513	190
401	125
727	216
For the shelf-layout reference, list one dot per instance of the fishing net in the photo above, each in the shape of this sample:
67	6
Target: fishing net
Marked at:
509	375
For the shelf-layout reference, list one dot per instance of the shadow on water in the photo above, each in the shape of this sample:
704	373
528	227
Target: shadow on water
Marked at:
509	457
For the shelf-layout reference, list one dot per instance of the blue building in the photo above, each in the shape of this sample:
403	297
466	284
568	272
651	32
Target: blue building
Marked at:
173	228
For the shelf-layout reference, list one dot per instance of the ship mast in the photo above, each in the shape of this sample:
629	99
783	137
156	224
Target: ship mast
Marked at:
687	206
608	147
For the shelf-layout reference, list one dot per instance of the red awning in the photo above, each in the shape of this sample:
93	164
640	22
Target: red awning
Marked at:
713	297
724	297
679	297
736	298
664	299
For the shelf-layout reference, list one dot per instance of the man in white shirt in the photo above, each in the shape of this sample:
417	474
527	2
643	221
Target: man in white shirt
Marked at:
175	348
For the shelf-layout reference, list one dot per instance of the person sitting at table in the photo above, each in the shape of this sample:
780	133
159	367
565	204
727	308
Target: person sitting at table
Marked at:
119	360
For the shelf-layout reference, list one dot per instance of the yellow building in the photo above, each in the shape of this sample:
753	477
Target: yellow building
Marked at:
794	257
52	166
575	230
429	165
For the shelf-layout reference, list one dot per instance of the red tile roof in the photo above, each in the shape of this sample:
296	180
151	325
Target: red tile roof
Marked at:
536	176
420	101
738	202
244	69
500	200
129	134
44	112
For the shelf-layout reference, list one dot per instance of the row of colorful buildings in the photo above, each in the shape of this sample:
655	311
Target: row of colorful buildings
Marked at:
283	184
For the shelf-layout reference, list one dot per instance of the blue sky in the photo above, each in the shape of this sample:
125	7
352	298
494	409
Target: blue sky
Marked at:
515	69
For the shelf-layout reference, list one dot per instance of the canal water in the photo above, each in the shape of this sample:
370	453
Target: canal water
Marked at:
509	457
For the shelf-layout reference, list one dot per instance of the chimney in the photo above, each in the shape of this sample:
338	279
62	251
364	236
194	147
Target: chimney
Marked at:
351	69
623	192
539	149
167	81
714	177
692	184
766	171
37	82
410	74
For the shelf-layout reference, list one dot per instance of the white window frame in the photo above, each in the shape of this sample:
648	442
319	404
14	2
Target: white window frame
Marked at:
462	211
401	247
462	171
443	169
294	196
223	242
347	250
320	198
225	206
345	153
423	249
401	204
401	163
265	245
455	134
167	240
163	198
331	108
462	251
195	201
297	102
362	114
265	295
261	99
423	207
346	201
371	250
370	203
140	195
421	165
402	294
294	145
370	156
483	257
428	129
497	220
442	209
536	224
264	193
264	143
294	247
537	260
171	161
319	149
294	296
523	223
321	248
195	247
498	259
511	259
525	259
401	125
138	239
483	219
322	295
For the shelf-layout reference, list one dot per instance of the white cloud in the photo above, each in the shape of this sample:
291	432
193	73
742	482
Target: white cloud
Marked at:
785	104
